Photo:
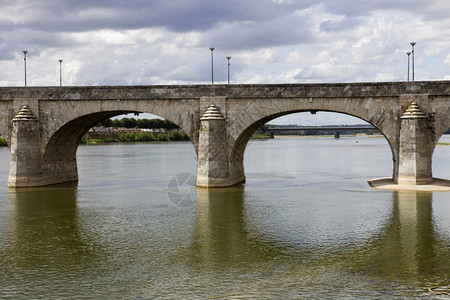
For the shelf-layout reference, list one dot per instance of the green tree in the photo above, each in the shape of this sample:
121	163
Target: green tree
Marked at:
3	142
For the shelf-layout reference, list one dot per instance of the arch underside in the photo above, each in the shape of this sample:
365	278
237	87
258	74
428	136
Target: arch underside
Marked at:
240	144
443	125
59	158
68	137
247	133
59	155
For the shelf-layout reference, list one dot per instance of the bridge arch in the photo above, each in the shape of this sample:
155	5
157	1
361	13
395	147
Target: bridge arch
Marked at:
68	136
253	118
438	123
59	155
442	152
59	144
78	118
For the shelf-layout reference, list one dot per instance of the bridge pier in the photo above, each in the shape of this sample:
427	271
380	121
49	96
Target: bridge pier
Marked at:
25	164
415	153
214	166
28	165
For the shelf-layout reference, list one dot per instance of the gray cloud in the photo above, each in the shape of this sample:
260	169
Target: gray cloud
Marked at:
248	35
176	15
160	41
345	24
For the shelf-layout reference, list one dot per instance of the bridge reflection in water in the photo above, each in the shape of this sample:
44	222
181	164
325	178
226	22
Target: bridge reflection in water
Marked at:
409	246
405	252
228	250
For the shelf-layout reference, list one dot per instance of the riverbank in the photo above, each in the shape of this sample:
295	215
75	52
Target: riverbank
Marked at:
140	136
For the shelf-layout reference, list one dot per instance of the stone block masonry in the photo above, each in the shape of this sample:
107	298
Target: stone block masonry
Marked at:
44	125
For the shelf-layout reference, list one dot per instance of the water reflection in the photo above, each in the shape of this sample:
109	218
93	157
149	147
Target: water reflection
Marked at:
220	227
409	233
415	229
409	250
31	200
44	246
220	246
400	257
40	216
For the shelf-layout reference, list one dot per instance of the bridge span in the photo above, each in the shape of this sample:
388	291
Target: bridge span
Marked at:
44	125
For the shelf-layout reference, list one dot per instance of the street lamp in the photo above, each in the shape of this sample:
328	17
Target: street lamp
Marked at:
25	64
228	58
212	65
60	72
408	53
412	44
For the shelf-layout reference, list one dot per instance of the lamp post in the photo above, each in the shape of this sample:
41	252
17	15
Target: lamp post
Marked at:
412	44
25	64
60	72
408	53
212	65
228	58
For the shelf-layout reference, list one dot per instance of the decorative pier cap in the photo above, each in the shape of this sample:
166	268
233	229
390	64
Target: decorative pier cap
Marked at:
212	113
24	114
413	112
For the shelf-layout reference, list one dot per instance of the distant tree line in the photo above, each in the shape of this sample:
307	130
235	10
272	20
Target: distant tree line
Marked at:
172	131
262	133
139	123
173	135
143	136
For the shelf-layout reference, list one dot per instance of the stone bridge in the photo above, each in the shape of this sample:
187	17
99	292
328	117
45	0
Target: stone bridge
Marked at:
44	125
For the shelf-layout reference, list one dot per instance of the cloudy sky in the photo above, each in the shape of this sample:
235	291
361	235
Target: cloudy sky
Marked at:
134	42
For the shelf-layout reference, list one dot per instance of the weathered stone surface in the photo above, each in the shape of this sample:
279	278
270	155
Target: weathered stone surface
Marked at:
64	114
416	148
213	152
25	166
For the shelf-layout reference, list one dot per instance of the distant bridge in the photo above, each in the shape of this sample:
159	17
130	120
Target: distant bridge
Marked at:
336	128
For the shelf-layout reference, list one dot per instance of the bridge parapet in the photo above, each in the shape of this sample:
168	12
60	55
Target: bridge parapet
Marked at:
237	91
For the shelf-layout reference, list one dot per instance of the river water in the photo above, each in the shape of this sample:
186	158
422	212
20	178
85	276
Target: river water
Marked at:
304	225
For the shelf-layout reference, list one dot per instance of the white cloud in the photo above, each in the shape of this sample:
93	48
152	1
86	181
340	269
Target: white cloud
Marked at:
447	60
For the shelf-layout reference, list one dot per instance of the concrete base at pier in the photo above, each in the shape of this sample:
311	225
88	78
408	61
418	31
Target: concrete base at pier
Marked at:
437	185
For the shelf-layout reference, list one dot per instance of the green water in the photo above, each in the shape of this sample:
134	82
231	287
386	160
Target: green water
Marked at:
305	225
